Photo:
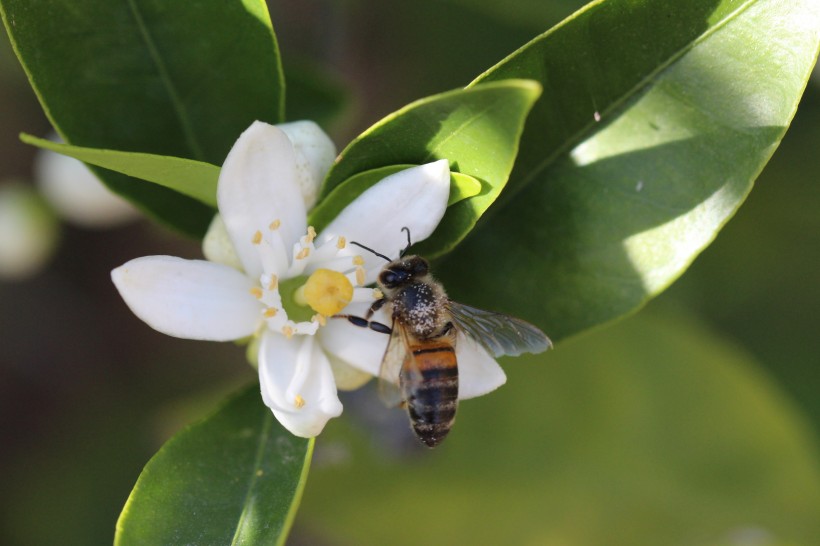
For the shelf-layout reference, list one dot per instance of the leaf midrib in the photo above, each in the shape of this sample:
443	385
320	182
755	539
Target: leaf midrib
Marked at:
165	77
573	139
260	452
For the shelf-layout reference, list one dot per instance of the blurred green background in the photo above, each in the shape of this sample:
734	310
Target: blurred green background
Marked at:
694	422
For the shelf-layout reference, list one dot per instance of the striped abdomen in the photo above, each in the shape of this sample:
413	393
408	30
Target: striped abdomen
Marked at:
431	390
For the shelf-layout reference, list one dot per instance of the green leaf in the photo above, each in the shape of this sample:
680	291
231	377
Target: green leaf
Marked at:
602	442
692	98
186	176
234	478
461	187
315	94
180	79
476	129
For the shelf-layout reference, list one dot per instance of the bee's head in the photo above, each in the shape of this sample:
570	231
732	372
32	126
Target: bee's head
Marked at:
403	271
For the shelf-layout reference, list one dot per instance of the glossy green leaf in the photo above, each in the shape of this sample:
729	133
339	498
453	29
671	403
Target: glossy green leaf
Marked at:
654	431
462	187
476	129
234	478
180	79
186	176
655	120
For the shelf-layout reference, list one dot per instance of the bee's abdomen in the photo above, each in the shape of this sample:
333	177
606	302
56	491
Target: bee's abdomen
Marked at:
433	397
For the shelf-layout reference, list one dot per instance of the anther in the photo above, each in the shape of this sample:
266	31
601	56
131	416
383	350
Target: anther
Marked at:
273	283
288	331
298	401
257	237
320	319
311	234
378	294
360	275
303	253
275	225
341	242
256	292
358	260
270	312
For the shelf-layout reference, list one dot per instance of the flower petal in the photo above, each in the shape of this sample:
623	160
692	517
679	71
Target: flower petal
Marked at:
191	299
347	377
359	347
258	188
478	372
297	383
415	198
217	245
315	153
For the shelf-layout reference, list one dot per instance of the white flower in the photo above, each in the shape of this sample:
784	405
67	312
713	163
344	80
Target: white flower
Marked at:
76	194
29	232
272	277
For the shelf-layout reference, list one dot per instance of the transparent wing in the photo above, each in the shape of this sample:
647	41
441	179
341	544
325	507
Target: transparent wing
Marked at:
500	334
396	356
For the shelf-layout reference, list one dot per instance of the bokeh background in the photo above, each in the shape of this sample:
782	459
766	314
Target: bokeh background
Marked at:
693	422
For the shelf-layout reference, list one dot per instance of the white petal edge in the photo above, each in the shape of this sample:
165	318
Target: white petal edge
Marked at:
359	347
315	153
191	299
297	383
415	198
478	372
257	186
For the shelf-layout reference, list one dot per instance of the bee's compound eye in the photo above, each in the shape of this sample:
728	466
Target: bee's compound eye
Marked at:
388	278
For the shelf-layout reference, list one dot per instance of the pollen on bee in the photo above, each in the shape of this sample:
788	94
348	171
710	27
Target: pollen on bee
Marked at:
270	312
358	260
287	331
311	234
273	226
256	292
257	237
273	283
304	253
341	242
360	275
298	401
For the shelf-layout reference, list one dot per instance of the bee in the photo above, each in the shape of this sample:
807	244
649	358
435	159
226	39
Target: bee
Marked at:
421	351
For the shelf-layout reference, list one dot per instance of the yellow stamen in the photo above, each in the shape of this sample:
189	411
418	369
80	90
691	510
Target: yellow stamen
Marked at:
298	401
275	225
256	292
288	331
358	260
360	275
311	234
341	242
257	237
327	292
303	253
273	283
319	318
270	312
378	294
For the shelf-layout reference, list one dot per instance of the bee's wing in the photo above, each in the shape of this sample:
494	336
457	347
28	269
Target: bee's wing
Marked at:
500	334
396	356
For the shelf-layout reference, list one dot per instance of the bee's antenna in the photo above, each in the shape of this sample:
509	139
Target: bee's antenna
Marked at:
403	252
371	250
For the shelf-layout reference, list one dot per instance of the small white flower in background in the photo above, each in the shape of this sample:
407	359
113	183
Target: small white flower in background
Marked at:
76	194
29	232
290	280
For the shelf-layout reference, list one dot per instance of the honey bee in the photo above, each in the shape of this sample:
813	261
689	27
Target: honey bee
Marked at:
421	351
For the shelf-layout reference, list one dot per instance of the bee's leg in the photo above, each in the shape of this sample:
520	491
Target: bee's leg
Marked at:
365	322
